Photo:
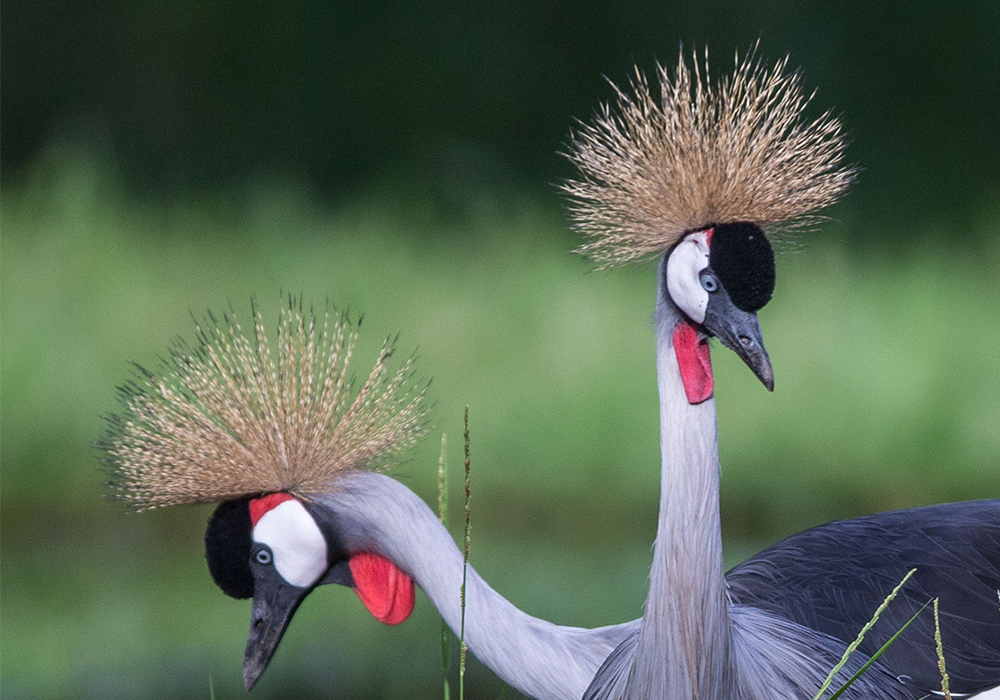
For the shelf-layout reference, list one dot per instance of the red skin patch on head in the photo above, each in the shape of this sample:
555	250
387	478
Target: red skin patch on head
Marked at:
708	236
382	586
695	362
259	506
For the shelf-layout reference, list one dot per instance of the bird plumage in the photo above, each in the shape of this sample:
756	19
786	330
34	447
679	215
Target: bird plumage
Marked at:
833	576
655	166
231	415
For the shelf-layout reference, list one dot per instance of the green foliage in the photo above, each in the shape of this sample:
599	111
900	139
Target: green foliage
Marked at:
457	101
887	395
878	654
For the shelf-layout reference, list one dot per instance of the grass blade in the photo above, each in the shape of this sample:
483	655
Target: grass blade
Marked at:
857	642
879	653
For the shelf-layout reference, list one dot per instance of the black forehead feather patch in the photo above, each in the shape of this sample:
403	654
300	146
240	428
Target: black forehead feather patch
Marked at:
227	548
742	258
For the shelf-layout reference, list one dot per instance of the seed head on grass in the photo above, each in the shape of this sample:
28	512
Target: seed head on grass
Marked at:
463	649
940	653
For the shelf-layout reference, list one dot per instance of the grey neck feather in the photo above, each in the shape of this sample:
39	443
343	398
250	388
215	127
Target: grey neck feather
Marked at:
375	513
684	648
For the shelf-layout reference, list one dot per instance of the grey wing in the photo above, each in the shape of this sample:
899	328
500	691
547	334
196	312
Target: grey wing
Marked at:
833	577
777	659
609	681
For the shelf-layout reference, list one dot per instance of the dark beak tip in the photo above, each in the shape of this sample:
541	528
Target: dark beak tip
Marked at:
273	608
766	377
250	677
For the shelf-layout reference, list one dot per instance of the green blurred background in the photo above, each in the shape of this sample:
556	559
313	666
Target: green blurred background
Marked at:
399	159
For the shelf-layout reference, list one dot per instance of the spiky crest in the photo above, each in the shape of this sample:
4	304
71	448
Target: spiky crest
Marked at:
229	418
736	150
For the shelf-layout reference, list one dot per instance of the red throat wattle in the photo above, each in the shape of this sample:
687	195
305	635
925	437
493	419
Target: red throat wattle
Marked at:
695	362
385	590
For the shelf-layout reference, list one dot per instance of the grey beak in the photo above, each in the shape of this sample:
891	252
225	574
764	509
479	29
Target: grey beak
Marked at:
272	610
740	332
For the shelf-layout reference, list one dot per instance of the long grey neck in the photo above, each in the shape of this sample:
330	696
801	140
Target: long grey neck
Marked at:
684	647
375	513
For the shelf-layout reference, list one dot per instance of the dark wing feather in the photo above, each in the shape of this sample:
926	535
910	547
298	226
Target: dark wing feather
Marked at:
833	577
610	679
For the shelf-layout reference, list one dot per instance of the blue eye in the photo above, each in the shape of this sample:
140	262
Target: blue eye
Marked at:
709	282
263	556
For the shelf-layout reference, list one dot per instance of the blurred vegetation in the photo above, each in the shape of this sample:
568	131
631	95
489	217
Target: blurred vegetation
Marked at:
161	159
440	98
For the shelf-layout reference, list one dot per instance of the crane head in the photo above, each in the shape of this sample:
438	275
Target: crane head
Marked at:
276	549
719	277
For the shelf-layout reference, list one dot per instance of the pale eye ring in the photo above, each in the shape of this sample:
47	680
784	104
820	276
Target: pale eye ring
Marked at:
263	557
708	281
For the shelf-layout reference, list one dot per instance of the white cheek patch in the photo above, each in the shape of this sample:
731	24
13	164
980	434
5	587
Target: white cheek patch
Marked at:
296	542
685	262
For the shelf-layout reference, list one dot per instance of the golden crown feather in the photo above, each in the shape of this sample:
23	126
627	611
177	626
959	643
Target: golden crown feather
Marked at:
230	416
701	153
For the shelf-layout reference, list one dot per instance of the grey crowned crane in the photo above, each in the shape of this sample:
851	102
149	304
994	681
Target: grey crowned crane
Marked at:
692	176
288	448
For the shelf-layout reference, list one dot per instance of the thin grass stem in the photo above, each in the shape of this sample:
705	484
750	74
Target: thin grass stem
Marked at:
443	516
940	653
878	653
852	647
465	563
